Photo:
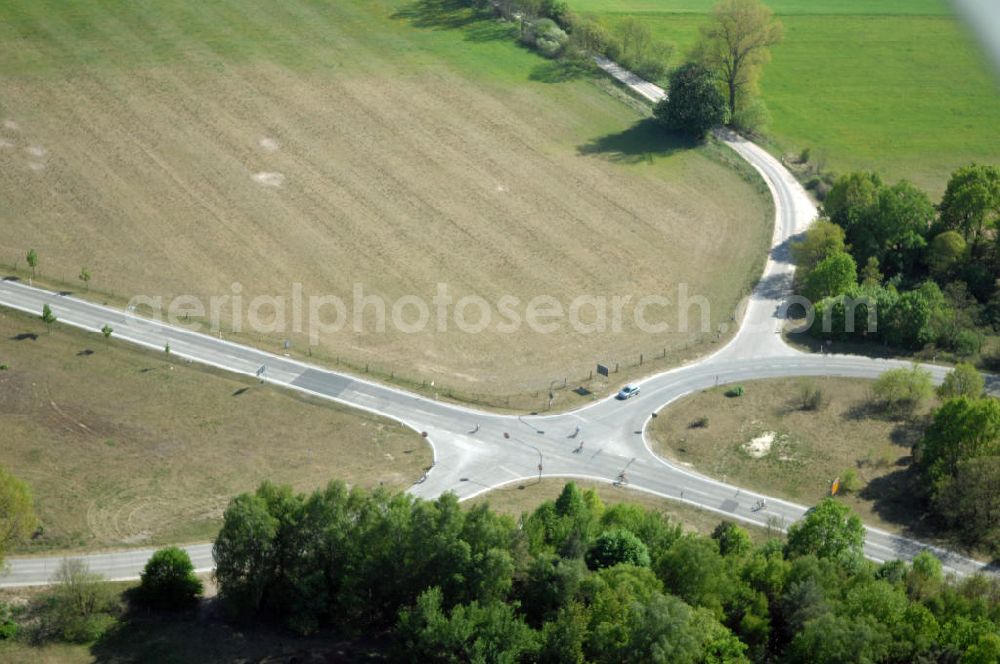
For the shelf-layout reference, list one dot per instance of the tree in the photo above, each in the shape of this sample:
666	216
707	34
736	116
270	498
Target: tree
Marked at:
851	198
80	606
962	428
828	530
694	104
244	552
168	581
32	258
971	202
733	540
870	274
945	253
895	233
107	330
48	317
970	501
735	46
903	389
694	570
832	276
616	547
469	633
635	38
85	277
962	381
17	512
822	240
832	639
916	318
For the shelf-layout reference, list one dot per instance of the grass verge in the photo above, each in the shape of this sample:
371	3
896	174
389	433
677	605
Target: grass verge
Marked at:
126	446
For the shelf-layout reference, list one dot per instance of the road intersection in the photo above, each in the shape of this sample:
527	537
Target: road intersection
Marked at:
475	451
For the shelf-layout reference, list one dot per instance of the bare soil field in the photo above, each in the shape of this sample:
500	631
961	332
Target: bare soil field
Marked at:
123	446
182	147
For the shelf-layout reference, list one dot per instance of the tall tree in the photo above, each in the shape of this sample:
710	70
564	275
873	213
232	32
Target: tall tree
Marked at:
971	202
833	276
695	104
829	530
822	240
735	45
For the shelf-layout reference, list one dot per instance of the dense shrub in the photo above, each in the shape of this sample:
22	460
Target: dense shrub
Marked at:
79	608
168	580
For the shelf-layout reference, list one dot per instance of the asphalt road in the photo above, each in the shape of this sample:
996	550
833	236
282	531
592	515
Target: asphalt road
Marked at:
476	451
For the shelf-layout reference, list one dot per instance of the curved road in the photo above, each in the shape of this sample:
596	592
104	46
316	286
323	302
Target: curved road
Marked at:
476	451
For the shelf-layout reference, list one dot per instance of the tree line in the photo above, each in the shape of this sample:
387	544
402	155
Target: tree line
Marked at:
926	274
718	84
578	581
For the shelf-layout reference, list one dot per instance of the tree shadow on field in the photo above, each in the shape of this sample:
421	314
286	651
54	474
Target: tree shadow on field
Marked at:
560	71
441	14
642	141
897	497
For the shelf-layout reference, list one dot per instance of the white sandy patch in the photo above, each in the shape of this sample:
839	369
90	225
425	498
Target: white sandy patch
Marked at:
10	125
36	166
269	179
4	143
501	188
760	446
36	151
269	144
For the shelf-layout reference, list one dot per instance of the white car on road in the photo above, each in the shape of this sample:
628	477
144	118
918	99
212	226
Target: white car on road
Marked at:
628	391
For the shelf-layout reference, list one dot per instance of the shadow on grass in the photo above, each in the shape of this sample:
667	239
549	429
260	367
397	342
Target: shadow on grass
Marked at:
643	141
203	635
25	336
561	71
455	15
897	497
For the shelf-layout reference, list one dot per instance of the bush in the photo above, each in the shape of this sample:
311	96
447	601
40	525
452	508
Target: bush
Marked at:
169	581
735	391
849	481
967	342
903	389
8	628
700	423
804	155
962	381
80	607
811	398
545	36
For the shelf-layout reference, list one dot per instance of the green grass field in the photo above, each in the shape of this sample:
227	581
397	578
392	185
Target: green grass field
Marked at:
896	86
180	146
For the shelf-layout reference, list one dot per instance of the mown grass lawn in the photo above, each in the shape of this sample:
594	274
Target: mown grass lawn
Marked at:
895	86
